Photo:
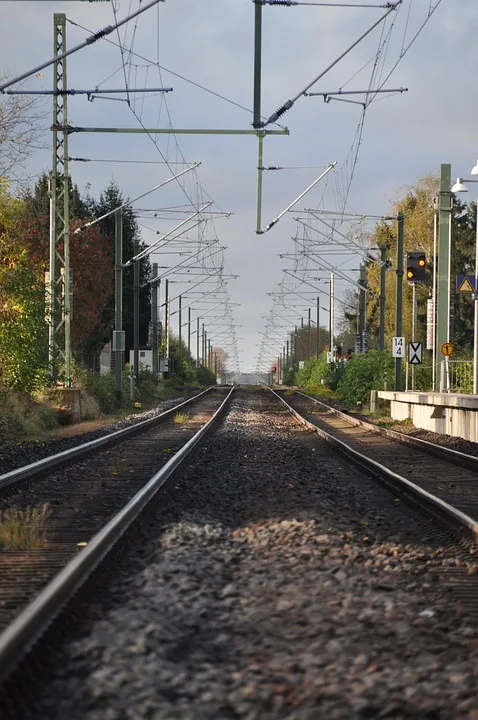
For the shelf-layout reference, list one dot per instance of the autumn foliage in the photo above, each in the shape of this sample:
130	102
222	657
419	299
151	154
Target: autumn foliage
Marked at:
92	267
24	259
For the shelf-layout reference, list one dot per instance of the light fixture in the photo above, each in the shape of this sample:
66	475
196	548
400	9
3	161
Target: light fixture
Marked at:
475	169
459	186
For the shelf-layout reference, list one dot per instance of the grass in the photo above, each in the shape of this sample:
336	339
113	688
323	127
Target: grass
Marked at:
181	418
23	529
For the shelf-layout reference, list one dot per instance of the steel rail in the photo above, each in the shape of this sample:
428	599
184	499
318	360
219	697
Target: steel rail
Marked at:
465	460
419	497
53	461
20	636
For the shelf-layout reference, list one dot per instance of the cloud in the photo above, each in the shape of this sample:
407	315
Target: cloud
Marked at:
211	43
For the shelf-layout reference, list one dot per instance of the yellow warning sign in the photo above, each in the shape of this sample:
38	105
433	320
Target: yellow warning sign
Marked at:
466	286
447	349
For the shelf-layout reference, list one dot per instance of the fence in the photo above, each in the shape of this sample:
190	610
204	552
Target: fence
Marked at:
456	376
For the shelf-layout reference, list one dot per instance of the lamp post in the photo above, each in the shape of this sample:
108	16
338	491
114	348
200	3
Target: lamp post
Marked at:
459	186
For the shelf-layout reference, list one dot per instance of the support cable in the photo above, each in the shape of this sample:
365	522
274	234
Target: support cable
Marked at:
89	41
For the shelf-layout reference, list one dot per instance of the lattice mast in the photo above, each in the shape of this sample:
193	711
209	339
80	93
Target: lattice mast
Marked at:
59	316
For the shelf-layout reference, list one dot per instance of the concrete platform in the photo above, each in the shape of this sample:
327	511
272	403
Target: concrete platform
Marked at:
447	413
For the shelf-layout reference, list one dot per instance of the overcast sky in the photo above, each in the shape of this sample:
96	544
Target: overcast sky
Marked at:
404	137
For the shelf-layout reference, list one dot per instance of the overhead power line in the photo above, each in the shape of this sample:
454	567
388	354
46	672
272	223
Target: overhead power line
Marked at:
89	41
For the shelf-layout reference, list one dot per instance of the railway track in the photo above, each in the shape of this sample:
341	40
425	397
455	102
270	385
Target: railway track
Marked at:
448	476
265	519
83	488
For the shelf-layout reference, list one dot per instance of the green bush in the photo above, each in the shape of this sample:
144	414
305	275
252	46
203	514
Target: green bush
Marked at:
314	371
363	373
23	415
102	388
205	376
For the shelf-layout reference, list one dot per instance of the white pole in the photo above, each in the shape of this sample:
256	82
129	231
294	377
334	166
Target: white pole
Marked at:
331	319
475	296
434	293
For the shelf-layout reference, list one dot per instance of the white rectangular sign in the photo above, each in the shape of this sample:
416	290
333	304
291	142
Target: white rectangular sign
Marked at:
415	353
398	347
330	357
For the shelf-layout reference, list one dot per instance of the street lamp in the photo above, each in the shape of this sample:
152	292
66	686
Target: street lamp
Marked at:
459	186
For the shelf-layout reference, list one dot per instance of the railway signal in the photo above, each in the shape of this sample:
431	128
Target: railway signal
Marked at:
416	266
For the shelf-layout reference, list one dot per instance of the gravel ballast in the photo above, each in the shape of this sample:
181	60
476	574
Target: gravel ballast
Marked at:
275	581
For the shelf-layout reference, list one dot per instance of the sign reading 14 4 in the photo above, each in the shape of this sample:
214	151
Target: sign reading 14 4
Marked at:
398	347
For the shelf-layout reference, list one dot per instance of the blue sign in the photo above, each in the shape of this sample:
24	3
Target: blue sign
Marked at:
465	283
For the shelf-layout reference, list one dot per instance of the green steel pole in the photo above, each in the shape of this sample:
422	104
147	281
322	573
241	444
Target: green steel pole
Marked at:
308	333
119	346
180	318
66	234
197	343
301	346
169	131
166	322
317	337
256	118
136	287
444	257
362	300
383	267
154	322
398	316
260	162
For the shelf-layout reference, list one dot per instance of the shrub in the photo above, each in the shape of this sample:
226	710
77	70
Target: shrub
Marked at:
23	415
21	529
181	418
363	373
205	376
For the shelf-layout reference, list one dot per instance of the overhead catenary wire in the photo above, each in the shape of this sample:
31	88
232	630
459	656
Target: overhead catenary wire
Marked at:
129	202
89	41
289	103
291	205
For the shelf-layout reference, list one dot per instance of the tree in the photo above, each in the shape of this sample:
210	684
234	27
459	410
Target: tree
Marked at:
91	264
109	200
21	128
417	208
23	330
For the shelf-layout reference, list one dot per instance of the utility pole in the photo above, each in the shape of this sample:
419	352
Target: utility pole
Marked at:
154	322
398	309
362	307
414	327
59	275
301	349
166	322
118	336
197	342
443	275
189	330
383	268
136	287
317	339
180	319
308	333
331	314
